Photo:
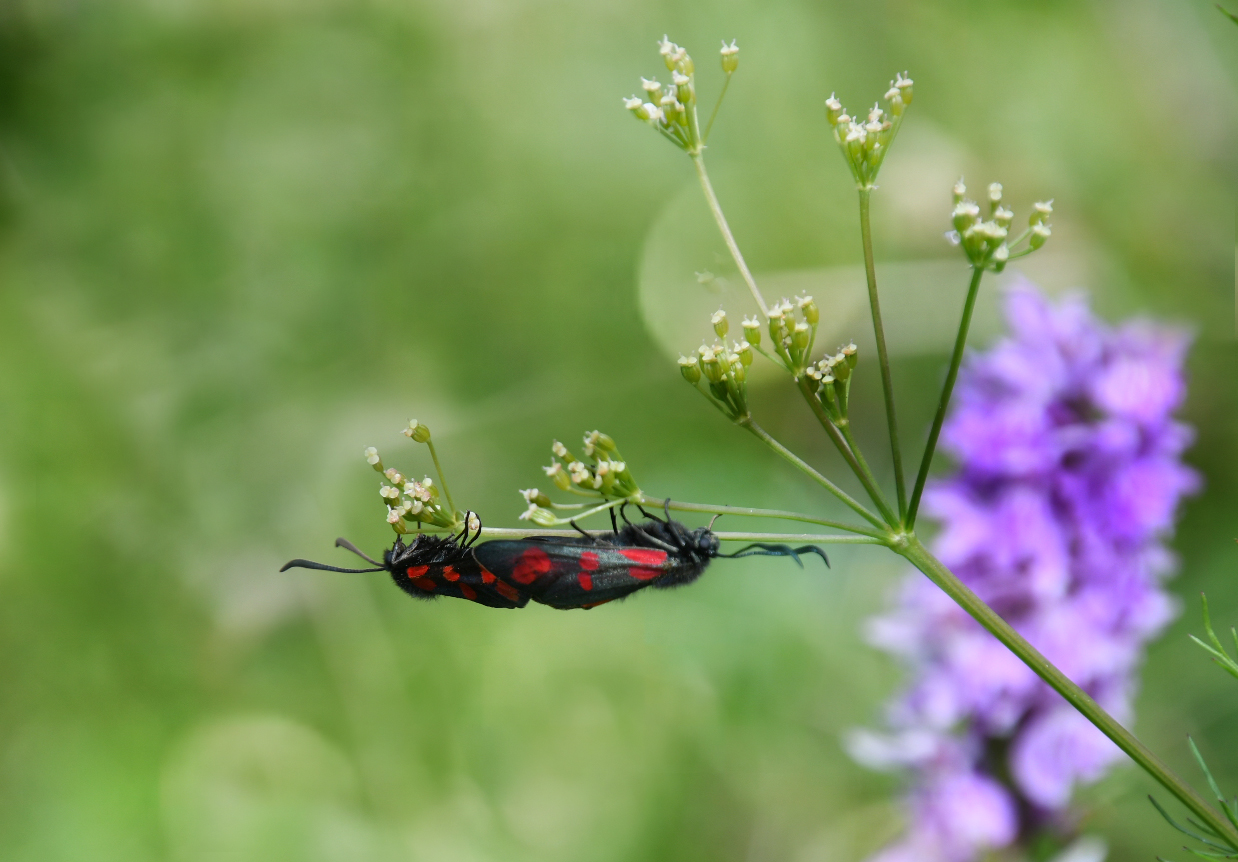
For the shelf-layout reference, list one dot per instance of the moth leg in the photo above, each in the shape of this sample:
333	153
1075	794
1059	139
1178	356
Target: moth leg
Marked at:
679	532
587	535
476	535
657	543
623	513
614	525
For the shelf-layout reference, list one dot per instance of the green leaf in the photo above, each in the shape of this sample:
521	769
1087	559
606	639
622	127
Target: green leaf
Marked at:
1217	649
1199	758
1230	15
1174	823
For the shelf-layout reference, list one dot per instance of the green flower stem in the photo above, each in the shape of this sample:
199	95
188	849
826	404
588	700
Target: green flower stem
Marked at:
782	538
791	457
609	504
883	356
743	511
716	208
867	473
936	572
956	359
815	538
718	104
845	449
438	469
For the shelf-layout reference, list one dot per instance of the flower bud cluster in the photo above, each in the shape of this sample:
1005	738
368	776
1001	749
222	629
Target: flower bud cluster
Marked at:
606	473
864	143
831	380
409	501
602	473
417	432
724	368
793	330
539	508
987	242
671	107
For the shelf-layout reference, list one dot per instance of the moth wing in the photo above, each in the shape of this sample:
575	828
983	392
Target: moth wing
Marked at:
465	579
573	574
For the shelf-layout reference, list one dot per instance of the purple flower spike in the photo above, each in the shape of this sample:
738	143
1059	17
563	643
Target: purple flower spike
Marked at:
1069	477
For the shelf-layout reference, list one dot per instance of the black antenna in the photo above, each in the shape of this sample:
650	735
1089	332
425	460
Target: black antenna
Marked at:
310	564
763	550
347	545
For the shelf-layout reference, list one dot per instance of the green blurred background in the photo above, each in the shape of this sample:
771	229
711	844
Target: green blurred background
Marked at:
241	240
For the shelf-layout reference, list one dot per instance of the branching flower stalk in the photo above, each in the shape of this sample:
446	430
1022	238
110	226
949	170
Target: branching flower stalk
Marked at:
984	243
825	385
864	147
601	482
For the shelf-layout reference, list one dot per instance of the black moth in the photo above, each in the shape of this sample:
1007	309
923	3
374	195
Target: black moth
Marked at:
433	566
573	572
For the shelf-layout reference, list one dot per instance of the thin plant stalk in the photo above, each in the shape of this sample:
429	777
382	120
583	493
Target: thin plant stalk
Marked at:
947	390
718	104
867	473
439	469
716	208
789	456
883	356
851	457
723	535
936	571
745	512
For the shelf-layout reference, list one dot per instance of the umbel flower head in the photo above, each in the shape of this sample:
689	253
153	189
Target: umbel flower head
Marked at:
987	242
865	142
602	474
720	369
831	380
409	501
1070	474
670	107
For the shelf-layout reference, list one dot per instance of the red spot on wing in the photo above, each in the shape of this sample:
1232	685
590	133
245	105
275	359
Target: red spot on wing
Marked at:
487	576
450	574
586	579
595	604
507	591
417	571
468	592
588	561
644	556
424	584
530	566
647	559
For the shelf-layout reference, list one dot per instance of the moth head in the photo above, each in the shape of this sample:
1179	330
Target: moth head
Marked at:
705	542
